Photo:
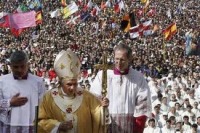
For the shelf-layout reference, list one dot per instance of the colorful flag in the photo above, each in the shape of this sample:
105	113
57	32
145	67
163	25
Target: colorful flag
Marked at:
55	13
21	8
105	4
84	16
146	6
170	31
63	3
4	22
134	32
89	4
142	29
168	13
35	5
143	1
116	8
69	10
119	6
108	3
38	17
79	2
139	12
155	28
128	21
17	32
95	11
74	20
151	12
22	20
188	42
102	5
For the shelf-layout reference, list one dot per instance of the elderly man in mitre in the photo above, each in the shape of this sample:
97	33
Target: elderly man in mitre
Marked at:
68	108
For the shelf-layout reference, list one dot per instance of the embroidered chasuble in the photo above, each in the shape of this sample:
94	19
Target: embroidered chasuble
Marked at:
84	110
129	97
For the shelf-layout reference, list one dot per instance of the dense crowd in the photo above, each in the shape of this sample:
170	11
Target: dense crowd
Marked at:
173	76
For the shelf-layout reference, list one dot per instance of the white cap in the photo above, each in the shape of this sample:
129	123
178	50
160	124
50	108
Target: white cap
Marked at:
67	65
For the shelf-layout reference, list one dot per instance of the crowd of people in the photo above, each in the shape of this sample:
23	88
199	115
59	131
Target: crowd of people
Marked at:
172	74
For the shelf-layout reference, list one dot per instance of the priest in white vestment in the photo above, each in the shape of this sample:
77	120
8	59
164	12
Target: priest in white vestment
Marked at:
20	92
128	92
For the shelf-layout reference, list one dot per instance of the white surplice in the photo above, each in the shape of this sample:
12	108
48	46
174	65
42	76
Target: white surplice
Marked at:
127	99
22	117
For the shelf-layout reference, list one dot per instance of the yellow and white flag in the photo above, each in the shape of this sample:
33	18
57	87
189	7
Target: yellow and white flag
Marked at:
143	1
69	10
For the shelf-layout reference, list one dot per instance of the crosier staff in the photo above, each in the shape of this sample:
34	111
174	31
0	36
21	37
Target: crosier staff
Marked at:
104	67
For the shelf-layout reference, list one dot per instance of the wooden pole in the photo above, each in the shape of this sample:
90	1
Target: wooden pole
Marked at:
36	119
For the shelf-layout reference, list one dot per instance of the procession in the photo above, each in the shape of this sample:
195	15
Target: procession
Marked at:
113	66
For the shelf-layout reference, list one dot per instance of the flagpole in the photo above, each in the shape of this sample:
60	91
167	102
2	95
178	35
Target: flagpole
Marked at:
164	49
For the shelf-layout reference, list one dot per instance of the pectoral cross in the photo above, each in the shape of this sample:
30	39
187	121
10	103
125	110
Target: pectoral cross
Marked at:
104	67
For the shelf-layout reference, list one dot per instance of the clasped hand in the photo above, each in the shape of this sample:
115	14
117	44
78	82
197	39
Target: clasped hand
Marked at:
16	100
65	126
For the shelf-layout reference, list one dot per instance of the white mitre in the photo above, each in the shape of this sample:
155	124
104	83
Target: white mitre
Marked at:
67	65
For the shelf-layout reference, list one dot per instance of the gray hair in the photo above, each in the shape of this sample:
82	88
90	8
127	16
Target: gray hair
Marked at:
122	46
18	56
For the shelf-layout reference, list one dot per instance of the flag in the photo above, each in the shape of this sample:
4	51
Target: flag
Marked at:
69	10
128	21
22	8
89	4
170	31
55	13
38	17
143	1
169	15
84	16
105	4
179	8
4	21
35	5
116	8
17	32
119	6
146	6
95	11
102	5
2	14
63	3
108	3
155	28
139	12
79	2
22	20
146	25
74	20
151	12
134	32
141	29
188	42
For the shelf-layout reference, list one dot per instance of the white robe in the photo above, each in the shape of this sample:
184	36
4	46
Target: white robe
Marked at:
131	98
168	130
152	130
19	119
